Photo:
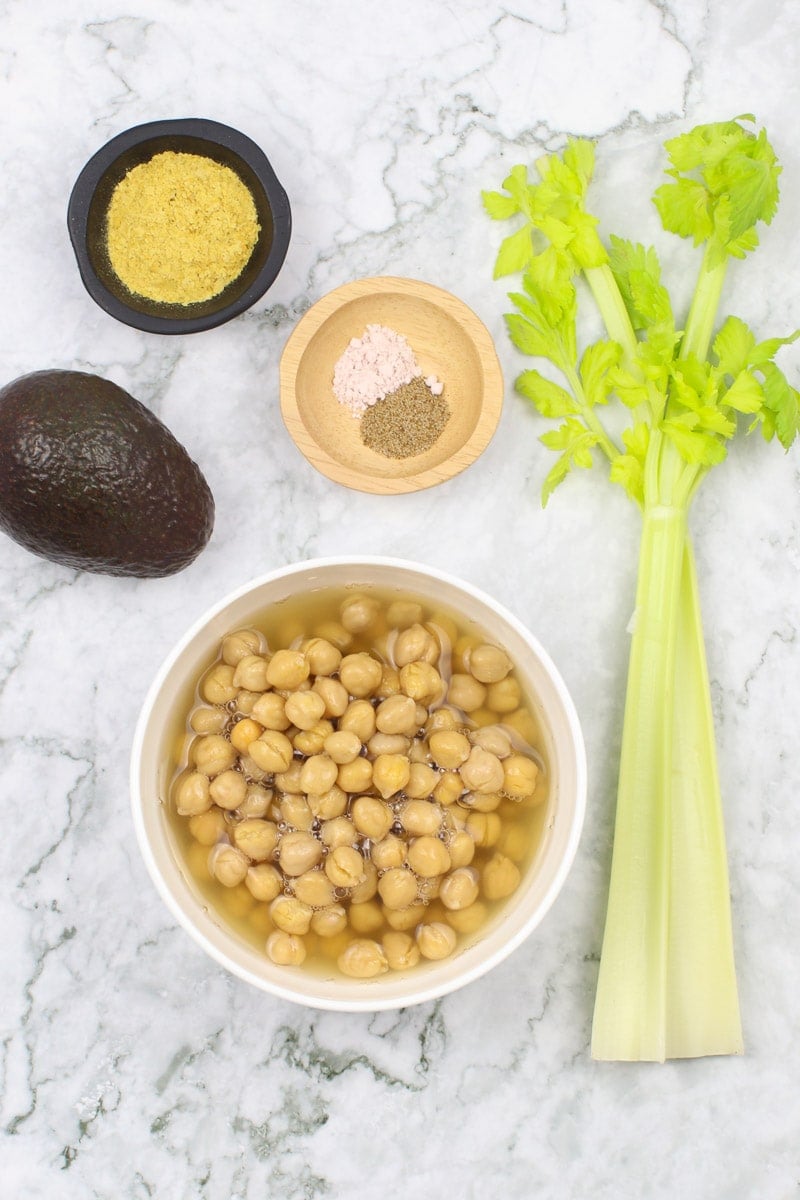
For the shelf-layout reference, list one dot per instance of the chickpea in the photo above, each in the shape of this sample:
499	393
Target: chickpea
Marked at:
397	887
443	718
314	888
363	959
270	711
272	751
403	919
328	921
371	817
252	772
462	849
286	949
421	716
520	776
505	696
256	801
238	645
448	789
264	881
208	827
344	866
244	732
318	774
389	852
415	644
335	633
359	718
390	774
255	838
287	669
355	776
449	748
334	695
330	804
192	795
227	864
427	856
514	841
360	673
492	738
461	650
444	627
218	686
459	889
389	684
400	949
342	746
420	817
484	828
366	917
197	857
435	940
402	613
418	752
482	772
322	656
208	720
340	831
388	743
500	877
312	741
251	673
298	852
481	801
397	714
228	790
305	709
289	780
467	920
213	754
525	724
422	779
429	890
422	682
291	914
368	886
359	613
246	701
489	664
465	692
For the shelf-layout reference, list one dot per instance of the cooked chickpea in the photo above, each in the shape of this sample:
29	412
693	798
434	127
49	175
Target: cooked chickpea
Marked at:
335	633
388	743
322	656
314	888
192	795
397	887
366	917
465	692
312	741
505	696
422	779
390	774
227	864
368	886
462	849
448	789
359	613
401	951
492	738
218	686
427	856
520	776
435	940
482	772
389	852
489	664
286	949
270	711
389	684
213	754
467	920
208	720
287	669
359	718
422	682
481	801
251	771
334	695
264	881
402	613
514	841
449	748
443	718
318	774
371	817
255	838
228	789
484	828
340	831
251	673
525	724
291	914
402	919
363	959
329	921
344	866
419	817
298	852
415	644
355	776
342	746
499	877
459	889
360	673
244	732
238	645
330	804
305	709
397	714
272	751
289	780
208	827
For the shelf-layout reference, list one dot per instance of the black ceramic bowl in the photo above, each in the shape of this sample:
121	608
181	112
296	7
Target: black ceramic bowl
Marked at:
91	196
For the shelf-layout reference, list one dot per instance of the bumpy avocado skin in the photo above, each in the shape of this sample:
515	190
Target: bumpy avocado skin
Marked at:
90	478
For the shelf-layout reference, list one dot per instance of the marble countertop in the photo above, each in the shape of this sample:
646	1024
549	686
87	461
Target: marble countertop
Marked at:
131	1065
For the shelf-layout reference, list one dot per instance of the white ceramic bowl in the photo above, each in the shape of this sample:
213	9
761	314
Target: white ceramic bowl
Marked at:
152	765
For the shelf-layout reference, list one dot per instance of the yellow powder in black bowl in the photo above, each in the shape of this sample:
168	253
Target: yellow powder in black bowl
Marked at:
180	228
406	422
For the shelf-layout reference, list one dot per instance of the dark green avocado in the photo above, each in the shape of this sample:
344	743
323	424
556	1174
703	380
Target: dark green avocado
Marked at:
90	478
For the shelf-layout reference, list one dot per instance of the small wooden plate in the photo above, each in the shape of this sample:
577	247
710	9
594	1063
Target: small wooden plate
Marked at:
448	340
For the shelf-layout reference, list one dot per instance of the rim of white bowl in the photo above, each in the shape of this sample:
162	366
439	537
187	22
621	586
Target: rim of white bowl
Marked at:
417	994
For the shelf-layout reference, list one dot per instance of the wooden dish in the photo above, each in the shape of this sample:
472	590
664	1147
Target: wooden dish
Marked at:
448	340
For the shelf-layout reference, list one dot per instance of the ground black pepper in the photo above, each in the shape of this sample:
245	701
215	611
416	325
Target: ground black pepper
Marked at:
406	422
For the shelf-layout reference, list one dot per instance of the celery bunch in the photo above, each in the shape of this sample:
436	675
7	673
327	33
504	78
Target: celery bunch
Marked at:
667	983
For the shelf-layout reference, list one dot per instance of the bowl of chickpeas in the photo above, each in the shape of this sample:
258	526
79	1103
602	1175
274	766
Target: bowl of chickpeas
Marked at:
358	784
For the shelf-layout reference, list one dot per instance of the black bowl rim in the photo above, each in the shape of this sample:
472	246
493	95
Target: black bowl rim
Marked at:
203	129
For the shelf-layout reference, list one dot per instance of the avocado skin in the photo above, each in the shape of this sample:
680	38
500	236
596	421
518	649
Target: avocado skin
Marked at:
90	478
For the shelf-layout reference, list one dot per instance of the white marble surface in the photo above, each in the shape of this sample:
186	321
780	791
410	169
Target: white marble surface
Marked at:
131	1065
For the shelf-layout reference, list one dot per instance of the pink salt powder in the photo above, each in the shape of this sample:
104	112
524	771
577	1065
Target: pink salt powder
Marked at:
372	367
